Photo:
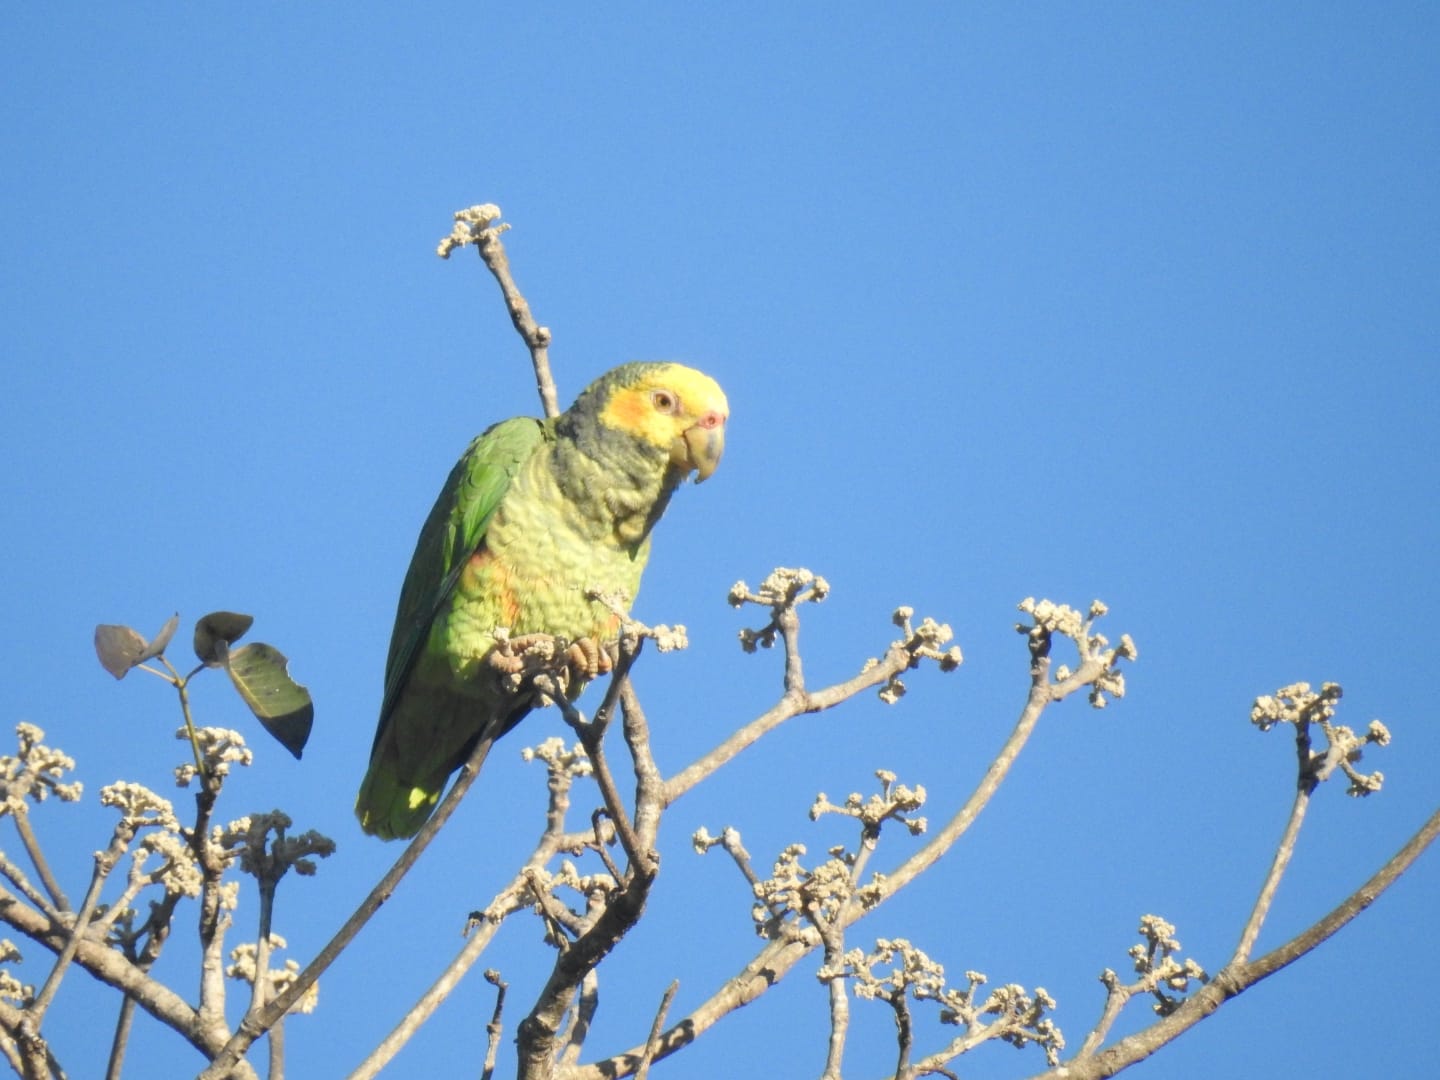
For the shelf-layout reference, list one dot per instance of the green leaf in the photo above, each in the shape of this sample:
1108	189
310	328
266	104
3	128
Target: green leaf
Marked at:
281	704
119	648
216	632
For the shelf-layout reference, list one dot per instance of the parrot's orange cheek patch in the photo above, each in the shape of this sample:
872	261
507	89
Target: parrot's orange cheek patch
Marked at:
629	410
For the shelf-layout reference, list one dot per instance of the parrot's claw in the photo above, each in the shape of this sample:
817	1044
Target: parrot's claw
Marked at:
587	659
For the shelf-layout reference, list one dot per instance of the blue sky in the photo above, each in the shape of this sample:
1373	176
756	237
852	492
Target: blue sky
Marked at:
1128	301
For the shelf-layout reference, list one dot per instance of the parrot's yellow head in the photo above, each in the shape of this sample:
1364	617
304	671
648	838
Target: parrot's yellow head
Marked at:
669	406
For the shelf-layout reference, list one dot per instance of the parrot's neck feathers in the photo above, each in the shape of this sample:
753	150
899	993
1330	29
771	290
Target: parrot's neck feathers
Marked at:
619	486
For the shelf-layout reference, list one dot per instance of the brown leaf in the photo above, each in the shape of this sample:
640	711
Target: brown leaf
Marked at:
119	648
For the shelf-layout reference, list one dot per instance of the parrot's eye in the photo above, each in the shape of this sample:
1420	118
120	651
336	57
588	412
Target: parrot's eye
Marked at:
664	401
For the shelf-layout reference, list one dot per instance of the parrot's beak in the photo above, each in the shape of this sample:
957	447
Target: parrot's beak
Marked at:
699	446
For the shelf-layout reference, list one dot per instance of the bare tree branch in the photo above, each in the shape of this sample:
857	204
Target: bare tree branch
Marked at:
494	1028
17	877
21	817
799	910
483	925
256	1024
111	968
778	957
1236	978
477	225
104	863
537	1033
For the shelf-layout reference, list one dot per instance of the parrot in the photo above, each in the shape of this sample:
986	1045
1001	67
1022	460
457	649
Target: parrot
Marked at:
534	518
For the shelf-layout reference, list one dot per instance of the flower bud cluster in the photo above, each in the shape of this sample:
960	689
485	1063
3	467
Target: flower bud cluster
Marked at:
1297	704
219	749
34	772
892	804
139	806
1009	1013
912	973
1098	659
572	763
1161	973
266	852
12	990
818	895
471	225
244	960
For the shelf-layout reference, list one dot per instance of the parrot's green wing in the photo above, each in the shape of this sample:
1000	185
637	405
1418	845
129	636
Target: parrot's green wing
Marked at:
454	530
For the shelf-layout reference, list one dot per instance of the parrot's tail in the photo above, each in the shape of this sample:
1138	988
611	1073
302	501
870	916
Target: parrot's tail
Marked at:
400	790
393	807
425	739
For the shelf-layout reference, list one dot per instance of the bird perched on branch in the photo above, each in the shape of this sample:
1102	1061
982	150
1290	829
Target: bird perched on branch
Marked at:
536	518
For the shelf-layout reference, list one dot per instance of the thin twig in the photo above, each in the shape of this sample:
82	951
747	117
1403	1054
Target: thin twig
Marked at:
480	225
262	942
1042	693
895	661
787	620
556	915
582	1017
121	1039
656	1027
181	683
600	847
537	338
1235	979
17	877
494	1029
475	944
1283	853
1304	788
1352	905
904	1034
104	862
777	958
275	1040
537	1033
21	817
112	968
485	926
649	784
1117	996
592	738
605	781
833	935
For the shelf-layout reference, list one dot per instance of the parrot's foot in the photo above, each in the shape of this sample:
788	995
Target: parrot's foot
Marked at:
525	654
523	657
587	659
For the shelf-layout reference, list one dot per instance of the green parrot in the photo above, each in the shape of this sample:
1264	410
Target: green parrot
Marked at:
534	514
